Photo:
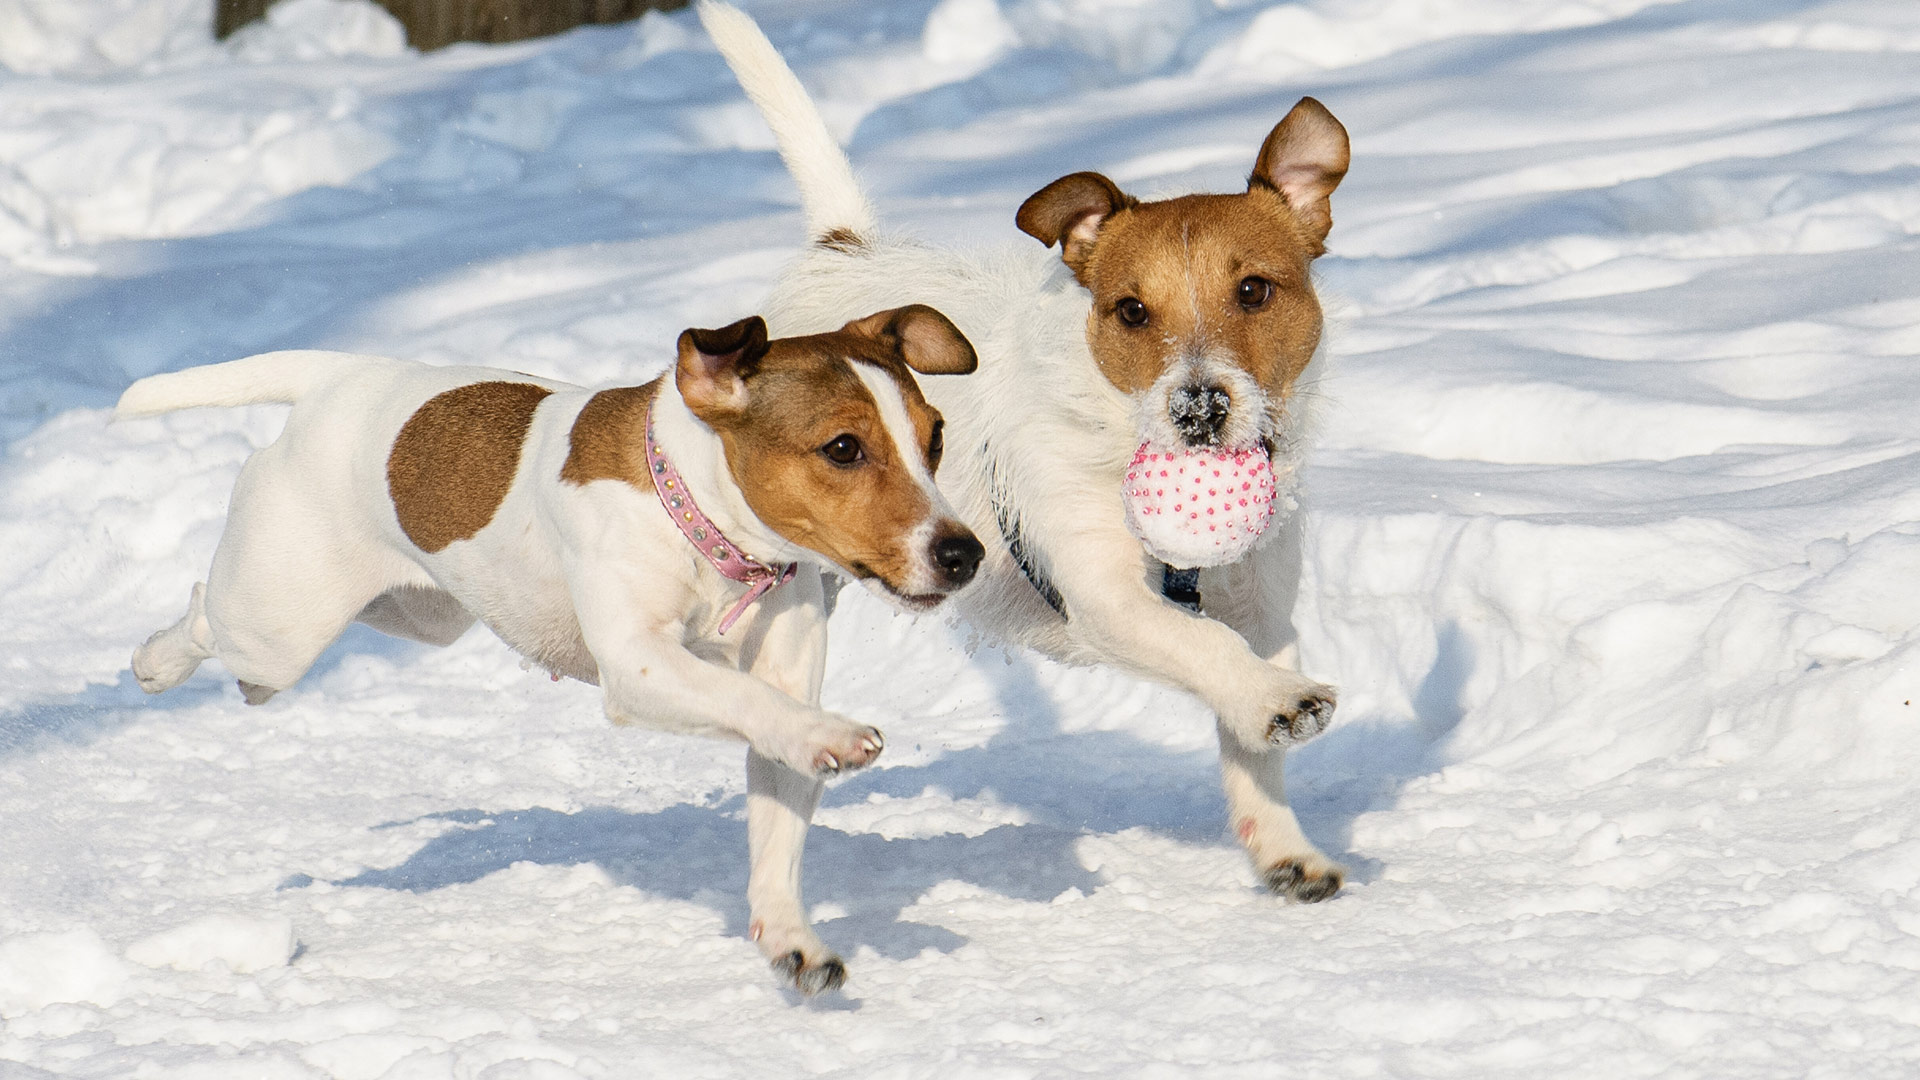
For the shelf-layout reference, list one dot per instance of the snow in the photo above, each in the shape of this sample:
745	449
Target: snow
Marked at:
242	944
1614	551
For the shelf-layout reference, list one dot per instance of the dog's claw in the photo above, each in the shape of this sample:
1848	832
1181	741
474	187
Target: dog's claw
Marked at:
1291	879
847	751
820	978
1308	717
829	974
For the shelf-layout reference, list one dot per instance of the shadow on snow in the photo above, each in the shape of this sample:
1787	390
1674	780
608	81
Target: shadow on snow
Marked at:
1070	785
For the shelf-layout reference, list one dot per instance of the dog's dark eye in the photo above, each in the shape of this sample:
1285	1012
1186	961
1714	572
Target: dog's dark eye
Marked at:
936	444
1131	311
1254	292
843	450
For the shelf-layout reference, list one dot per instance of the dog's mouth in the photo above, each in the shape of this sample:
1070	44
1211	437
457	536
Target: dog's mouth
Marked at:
916	603
1210	424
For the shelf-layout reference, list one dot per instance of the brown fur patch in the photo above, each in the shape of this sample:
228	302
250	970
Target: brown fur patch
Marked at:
608	440
455	457
845	241
1184	260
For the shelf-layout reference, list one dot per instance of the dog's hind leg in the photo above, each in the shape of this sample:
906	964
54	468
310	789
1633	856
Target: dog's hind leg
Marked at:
167	658
271	620
1255	597
290	575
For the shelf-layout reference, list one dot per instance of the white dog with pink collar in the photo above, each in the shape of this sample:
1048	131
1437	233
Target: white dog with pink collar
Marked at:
615	537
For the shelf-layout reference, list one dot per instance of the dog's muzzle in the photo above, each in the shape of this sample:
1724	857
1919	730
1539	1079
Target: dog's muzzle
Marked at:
1199	412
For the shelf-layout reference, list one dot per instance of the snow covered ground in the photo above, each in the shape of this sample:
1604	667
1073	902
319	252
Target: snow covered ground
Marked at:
1615	557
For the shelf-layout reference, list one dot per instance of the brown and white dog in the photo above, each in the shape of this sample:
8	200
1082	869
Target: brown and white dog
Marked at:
1187	320
416	499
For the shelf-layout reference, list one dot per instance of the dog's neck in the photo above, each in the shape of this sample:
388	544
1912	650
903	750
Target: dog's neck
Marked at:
700	458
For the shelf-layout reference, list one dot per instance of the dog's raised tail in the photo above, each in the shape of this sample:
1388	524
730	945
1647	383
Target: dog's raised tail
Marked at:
837	210
269	377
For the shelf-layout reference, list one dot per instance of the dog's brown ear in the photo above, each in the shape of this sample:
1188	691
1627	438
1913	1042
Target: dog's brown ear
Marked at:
926	340
1304	158
715	365
1069	212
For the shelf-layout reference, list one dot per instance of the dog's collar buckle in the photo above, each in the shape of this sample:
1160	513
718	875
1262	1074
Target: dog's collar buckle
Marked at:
722	554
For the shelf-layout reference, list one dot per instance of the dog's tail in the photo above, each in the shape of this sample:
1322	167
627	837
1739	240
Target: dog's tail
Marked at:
269	377
837	210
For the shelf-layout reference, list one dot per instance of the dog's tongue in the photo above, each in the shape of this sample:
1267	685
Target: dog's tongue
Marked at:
1199	507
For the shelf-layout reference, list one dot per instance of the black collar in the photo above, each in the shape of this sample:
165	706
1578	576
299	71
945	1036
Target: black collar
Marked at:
1016	547
1180	586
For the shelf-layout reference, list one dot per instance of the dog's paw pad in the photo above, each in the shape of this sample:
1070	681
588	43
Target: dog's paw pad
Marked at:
1307	883
1306	718
811	979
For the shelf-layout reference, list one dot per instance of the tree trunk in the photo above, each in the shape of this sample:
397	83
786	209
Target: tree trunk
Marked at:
431	24
231	15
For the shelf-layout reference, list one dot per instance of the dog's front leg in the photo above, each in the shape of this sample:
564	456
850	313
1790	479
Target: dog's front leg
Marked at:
1255	597
786	645
661	684
780	804
1288	863
633	626
649	677
1118	614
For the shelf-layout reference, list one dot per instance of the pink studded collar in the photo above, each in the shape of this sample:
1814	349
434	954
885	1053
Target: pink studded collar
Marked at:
705	536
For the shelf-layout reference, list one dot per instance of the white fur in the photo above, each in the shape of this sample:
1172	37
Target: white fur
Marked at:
276	377
1040	436
923	578
828	189
592	581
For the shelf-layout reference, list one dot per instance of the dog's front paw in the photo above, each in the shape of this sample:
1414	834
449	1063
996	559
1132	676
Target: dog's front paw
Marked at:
1307	879
848	750
797	954
810	977
1302	719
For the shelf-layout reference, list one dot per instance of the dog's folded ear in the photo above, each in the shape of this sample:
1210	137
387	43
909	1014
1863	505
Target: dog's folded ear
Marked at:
1069	212
715	364
925	340
1304	158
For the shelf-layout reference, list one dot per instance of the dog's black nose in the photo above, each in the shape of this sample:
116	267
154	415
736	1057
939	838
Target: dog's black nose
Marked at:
1199	412
957	556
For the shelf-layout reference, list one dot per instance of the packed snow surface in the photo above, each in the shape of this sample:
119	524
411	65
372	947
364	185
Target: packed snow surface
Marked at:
1614	554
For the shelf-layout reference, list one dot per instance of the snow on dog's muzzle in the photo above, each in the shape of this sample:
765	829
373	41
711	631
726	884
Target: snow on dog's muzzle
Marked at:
1197	506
